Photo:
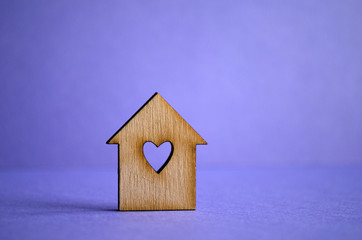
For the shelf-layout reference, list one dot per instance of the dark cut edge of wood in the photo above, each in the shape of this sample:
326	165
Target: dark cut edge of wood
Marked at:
118	177
120	129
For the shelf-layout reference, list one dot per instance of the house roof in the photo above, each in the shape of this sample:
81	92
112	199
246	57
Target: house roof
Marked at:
155	100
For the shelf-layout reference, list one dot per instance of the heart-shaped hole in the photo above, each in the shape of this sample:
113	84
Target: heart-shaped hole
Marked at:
158	156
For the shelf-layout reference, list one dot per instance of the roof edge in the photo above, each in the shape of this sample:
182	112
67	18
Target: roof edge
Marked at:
120	129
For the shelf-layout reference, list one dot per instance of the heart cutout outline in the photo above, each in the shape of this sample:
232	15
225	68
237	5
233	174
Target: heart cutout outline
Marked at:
157	147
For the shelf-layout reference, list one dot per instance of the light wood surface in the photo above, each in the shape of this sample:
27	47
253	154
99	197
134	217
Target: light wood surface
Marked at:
139	186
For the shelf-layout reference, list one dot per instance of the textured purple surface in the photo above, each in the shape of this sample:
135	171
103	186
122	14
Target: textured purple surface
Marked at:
263	82
249	203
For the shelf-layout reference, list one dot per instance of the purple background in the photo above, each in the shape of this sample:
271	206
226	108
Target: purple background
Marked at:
274	87
263	82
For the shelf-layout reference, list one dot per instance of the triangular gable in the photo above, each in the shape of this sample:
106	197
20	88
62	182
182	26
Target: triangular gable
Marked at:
155	97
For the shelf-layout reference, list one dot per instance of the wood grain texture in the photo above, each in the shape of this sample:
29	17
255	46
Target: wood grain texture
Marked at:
139	186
